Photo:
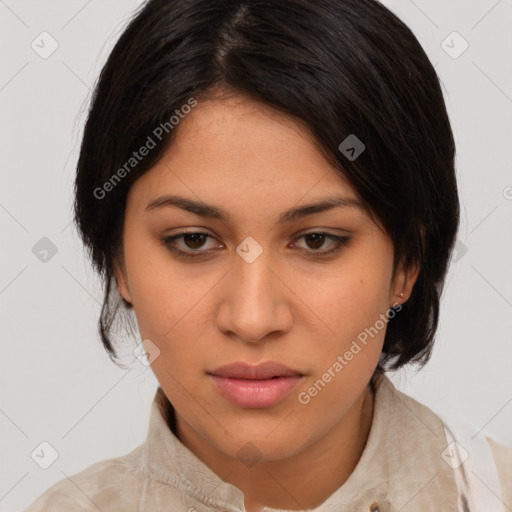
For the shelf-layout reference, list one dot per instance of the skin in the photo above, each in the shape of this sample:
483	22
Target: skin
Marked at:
285	306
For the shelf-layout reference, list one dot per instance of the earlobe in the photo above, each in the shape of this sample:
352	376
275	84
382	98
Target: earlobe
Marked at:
120	279
404	283
126	303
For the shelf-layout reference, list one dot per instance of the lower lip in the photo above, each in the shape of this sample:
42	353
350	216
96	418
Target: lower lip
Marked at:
255	393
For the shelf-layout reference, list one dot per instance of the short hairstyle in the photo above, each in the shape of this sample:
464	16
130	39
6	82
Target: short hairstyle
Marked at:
339	67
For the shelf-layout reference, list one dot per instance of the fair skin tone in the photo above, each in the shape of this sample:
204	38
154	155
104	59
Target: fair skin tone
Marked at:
287	306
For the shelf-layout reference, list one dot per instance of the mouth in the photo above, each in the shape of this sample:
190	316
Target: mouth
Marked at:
260	386
262	371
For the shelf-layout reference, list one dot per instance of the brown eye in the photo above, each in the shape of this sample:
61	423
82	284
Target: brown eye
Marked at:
316	240
194	240
192	243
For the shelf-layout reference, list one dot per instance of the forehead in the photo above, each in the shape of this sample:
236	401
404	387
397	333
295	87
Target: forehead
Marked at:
239	151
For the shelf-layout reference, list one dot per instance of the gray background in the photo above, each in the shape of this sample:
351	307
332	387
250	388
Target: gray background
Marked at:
58	385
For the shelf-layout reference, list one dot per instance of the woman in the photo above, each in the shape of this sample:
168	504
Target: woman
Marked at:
269	187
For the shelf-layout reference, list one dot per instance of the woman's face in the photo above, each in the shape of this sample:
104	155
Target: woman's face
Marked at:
259	285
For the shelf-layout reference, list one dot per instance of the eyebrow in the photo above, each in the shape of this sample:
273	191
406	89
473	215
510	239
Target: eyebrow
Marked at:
216	212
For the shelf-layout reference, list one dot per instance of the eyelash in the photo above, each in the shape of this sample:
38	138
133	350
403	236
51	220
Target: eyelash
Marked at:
339	242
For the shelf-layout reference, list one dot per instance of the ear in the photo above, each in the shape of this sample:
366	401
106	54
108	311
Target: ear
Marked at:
404	282
122	282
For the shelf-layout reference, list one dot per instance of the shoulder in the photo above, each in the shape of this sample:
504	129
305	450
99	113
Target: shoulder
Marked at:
482	466
93	487
54	500
503	459
503	456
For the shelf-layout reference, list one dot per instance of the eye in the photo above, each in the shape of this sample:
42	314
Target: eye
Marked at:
195	240
317	239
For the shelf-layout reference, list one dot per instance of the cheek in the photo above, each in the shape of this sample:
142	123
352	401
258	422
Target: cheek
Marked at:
353	307
348	300
156	304
165	307
175	313
162	292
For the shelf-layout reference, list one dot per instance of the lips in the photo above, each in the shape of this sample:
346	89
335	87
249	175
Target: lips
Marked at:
260	386
260	372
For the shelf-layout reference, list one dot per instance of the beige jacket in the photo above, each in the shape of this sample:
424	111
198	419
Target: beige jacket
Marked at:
409	464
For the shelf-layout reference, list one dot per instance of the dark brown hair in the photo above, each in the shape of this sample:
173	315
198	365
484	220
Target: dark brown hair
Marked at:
340	67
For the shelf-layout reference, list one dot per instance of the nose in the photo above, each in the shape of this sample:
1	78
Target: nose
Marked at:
255	301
